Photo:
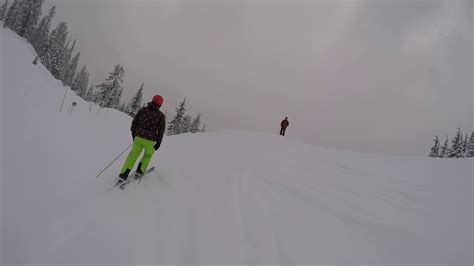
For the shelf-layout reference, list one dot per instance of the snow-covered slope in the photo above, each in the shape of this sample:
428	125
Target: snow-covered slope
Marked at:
227	197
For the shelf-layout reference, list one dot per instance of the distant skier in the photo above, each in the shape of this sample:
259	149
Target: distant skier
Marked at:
284	124
148	127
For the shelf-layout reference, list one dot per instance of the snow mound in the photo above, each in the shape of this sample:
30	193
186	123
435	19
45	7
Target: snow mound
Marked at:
225	197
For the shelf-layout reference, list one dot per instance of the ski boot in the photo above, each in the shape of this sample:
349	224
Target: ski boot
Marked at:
123	177
138	172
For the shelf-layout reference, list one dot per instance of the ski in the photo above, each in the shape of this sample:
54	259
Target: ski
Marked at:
132	178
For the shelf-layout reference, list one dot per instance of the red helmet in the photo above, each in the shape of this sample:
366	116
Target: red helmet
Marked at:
158	100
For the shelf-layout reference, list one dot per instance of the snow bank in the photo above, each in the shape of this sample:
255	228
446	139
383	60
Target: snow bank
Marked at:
225	197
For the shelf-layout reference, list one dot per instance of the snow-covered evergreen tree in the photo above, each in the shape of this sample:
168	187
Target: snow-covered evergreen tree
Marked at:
71	70
90	94
67	60
444	149
40	39
175	126
67	53
95	97
122	107
136	102
456	146
68	50
196	124
3	10
76	84
435	149
186	127
110	90
465	144
470	146
32	17
81	82
57	51
11	15
117	97
83	86
29	12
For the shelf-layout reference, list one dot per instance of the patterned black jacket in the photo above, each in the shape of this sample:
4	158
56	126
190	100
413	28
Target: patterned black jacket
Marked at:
149	123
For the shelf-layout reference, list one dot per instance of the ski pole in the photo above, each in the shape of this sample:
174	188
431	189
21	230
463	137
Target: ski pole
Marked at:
114	160
65	92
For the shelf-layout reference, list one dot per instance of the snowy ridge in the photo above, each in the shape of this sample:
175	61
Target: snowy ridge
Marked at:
226	197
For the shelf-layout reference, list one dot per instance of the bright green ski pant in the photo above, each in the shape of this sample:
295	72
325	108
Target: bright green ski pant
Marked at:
139	144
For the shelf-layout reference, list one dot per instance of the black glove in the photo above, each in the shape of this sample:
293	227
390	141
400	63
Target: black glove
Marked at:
157	146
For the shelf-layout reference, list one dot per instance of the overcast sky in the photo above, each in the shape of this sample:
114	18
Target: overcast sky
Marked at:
364	75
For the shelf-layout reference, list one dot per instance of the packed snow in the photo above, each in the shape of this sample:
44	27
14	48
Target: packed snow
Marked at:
226	197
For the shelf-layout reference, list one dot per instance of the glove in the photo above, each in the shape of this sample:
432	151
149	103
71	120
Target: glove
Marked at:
157	146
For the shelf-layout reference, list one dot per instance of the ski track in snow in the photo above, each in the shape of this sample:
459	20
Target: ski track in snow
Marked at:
219	198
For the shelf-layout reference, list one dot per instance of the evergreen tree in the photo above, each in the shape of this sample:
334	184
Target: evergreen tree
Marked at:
27	17
81	82
122	107
90	94
96	97
456	146
76	84
175	126
11	15
67	61
71	70
117	97
3	10
196	124
40	39
56	50
66	58
465	144
14	22
435	149
83	85
470	146
444	149
136	102
32	18
68	51
110	91
186	127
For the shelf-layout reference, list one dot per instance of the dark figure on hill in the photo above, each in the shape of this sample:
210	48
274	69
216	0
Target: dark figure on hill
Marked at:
284	125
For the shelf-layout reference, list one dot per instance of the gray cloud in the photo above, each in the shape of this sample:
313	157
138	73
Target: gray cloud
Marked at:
371	76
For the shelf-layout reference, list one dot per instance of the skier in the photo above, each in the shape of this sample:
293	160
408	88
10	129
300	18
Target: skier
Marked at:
148	127
284	124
